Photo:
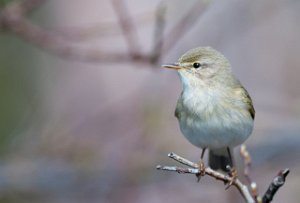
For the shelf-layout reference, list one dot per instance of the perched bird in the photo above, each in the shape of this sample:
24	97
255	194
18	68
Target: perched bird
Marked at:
214	110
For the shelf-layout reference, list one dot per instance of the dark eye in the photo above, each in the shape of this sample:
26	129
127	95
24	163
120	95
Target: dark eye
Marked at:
196	65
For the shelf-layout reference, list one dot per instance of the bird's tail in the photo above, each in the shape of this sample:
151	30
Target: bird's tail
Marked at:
219	158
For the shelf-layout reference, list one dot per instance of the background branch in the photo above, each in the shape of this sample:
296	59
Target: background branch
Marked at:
158	33
13	19
183	25
247	167
128	27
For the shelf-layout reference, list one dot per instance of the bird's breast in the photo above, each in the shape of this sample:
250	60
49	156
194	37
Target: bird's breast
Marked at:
207	119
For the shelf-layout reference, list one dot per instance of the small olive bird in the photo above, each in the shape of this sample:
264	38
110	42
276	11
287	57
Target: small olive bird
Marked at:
214	110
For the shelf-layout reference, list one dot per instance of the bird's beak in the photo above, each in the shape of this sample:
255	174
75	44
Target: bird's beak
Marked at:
174	66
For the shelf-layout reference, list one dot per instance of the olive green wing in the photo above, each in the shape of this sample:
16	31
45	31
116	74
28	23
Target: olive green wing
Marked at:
248	101
179	107
242	93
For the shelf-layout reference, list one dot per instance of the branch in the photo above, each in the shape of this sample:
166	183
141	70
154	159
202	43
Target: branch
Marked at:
128	27
183	25
277	182
57	45
243	189
13	19
158	33
252	196
247	166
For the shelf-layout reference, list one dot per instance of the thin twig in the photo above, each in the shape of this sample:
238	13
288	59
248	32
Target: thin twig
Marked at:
277	182
252	197
13	19
158	32
208	171
178	169
56	44
182	160
183	25
247	162
128	27
247	167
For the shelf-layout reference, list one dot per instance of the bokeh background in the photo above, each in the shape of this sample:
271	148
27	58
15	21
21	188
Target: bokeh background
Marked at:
93	131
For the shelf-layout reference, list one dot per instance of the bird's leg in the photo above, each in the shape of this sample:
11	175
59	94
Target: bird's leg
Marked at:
232	172
201	166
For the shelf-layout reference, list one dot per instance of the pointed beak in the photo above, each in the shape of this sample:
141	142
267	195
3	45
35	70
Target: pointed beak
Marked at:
174	66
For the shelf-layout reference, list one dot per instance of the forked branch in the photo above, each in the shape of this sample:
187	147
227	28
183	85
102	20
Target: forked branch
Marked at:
250	195
62	43
208	171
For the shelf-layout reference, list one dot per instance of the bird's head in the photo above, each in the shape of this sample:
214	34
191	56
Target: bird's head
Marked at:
201	65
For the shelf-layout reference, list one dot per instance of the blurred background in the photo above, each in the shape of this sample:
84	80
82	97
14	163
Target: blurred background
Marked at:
86	112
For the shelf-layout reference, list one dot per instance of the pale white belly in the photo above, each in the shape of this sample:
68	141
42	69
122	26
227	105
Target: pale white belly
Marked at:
226	130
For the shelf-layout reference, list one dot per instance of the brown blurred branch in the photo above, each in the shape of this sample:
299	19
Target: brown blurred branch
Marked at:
158	32
183	25
13	19
128	27
249	195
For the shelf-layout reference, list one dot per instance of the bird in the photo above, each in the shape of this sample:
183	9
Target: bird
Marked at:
214	110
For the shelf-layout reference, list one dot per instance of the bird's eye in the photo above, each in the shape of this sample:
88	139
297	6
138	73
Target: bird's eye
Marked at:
196	65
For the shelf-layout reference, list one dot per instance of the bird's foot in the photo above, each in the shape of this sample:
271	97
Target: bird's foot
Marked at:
232	172
201	170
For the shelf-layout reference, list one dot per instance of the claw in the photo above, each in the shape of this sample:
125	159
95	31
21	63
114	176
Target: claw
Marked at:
232	172
201	170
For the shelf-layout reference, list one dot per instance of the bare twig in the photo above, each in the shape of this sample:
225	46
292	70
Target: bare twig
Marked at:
183	25
56	44
182	160
252	196
128	27
158	32
247	162
208	171
13	19
247	166
277	182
